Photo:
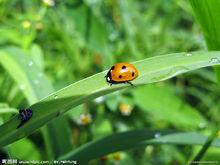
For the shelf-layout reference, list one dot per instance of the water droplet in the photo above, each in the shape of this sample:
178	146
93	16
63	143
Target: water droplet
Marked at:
214	60
188	54
55	97
36	82
30	63
99	100
157	135
40	74
22	87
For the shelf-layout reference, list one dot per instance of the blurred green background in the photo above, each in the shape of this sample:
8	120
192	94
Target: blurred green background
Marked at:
72	39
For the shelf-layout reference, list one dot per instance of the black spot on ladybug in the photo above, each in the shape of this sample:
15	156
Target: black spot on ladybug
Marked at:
113	68
120	76
132	74
123	67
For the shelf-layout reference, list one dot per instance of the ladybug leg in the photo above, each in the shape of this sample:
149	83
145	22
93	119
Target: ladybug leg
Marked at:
129	83
58	114
20	124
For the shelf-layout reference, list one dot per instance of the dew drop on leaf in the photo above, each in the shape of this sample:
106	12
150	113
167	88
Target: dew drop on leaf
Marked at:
188	54
40	74
99	100
36	82
22	87
214	60
30	63
157	135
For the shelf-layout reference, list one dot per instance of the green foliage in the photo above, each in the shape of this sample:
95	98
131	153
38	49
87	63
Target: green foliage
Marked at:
77	93
132	139
29	152
207	14
54	56
169	107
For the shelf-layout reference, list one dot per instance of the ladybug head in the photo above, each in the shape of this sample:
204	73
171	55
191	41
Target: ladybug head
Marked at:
108	79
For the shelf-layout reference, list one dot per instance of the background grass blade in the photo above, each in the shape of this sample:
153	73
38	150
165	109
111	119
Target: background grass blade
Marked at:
4	109
22	69
34	85
150	70
169	108
133	139
208	15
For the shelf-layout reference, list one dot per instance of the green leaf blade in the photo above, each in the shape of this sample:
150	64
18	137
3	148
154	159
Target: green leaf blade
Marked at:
151	70
133	139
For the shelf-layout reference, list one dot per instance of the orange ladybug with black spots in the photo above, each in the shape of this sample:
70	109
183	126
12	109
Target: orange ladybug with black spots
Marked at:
121	73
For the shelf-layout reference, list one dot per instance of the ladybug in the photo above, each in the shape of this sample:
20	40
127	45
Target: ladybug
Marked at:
24	115
121	73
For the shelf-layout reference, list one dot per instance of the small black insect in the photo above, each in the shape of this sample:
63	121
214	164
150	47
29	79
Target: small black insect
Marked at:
24	115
